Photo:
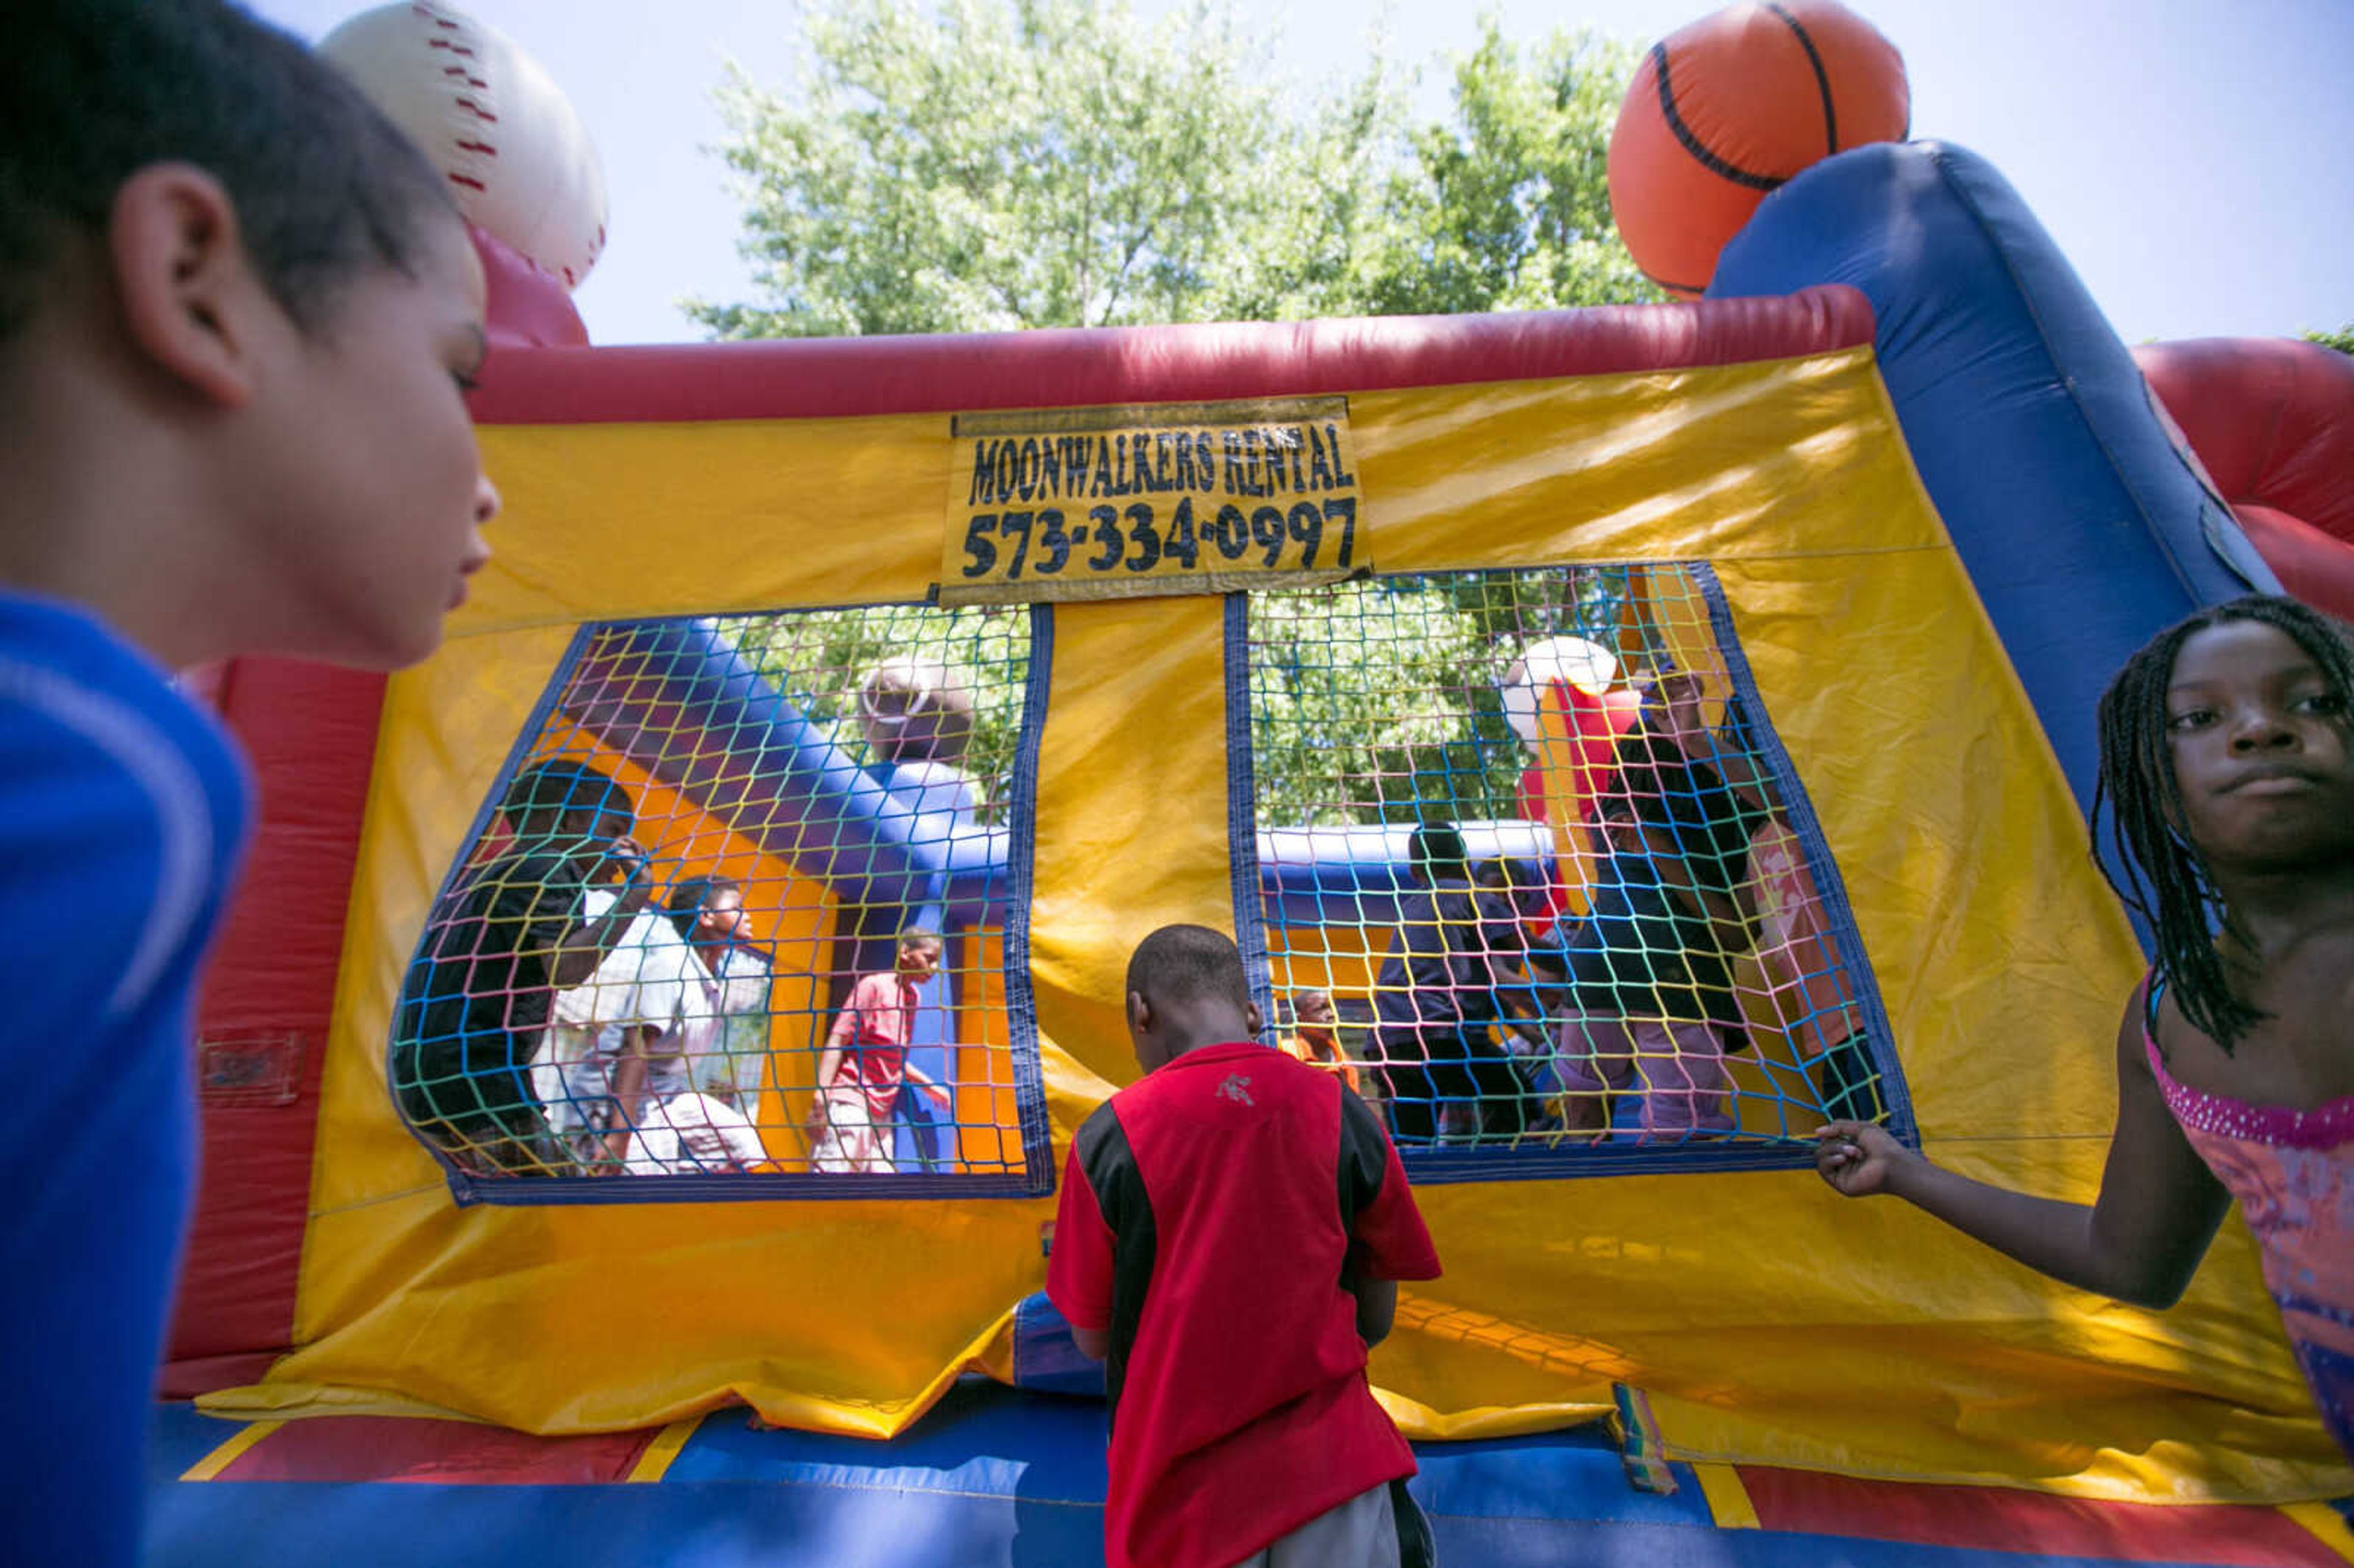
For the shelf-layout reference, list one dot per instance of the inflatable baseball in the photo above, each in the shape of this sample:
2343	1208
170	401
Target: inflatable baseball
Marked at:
513	147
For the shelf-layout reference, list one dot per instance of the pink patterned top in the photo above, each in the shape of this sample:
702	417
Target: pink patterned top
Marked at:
2293	1173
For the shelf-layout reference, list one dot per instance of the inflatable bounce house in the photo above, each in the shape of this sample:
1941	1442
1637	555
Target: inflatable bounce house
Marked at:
1722	671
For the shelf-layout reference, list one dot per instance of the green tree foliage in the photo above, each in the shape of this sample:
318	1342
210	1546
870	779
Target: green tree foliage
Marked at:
1371	701
2342	340
1506	204
1382	701
818	659
1041	163
1004	163
993	164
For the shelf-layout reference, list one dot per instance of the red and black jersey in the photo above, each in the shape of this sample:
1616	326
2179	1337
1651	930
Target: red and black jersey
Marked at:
1209	1216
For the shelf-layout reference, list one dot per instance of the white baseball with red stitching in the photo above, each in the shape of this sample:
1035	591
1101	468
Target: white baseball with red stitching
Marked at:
512	146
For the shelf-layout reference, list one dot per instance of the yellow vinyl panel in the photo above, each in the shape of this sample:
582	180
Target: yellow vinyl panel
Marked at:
1132	826
1770	1320
615	522
850	1315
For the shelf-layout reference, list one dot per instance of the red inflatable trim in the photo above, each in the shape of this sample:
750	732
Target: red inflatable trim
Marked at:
1997	1519
835	377
2272	422
2310	564
312	734
529	306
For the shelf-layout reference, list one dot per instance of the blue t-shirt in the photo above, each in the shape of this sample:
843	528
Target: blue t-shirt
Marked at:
122	811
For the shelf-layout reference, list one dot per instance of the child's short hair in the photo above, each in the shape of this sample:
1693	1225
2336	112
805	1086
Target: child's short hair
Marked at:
688	894
564	784
1512	873
93	90
1180	963
909	936
2166	880
1437	850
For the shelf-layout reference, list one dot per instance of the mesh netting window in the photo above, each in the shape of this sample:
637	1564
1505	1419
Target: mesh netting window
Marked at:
1536	876
744	904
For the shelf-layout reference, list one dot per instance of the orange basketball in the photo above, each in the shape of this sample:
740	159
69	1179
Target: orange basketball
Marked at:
1724	110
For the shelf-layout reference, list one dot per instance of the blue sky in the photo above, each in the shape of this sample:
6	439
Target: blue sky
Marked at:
2194	158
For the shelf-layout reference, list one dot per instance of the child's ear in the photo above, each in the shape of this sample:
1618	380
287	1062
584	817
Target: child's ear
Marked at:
188	289
1139	1013
1253	1018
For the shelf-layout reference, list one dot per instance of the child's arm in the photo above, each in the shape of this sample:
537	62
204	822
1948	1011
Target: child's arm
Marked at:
929	1084
628	1090
829	1061
1376	1308
1682	694
588	942
1388	1240
2141	1239
1079	1260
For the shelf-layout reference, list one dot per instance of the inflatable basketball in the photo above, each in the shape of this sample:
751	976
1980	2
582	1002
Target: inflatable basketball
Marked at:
1722	112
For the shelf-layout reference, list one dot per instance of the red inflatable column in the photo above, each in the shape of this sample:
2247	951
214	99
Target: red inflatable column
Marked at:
2272	422
268	1000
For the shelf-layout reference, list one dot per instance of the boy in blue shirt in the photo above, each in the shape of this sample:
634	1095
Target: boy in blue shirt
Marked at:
238	313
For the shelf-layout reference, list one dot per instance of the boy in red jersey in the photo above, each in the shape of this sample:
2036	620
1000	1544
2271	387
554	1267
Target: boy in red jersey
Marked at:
1230	1236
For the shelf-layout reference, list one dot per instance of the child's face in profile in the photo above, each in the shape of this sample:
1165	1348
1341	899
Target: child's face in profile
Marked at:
369	488
918	961
723	918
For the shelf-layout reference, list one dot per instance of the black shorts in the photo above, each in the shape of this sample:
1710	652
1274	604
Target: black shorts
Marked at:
468	1094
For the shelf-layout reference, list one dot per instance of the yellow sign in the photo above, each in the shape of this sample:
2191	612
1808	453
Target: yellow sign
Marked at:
1171	498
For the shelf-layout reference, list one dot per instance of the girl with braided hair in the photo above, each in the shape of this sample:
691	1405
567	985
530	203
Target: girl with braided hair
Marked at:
2227	786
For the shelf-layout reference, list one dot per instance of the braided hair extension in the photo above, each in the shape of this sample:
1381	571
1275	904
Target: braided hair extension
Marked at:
2166	878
